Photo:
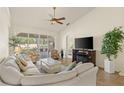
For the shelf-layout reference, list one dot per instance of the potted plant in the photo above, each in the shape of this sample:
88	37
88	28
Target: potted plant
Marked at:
111	46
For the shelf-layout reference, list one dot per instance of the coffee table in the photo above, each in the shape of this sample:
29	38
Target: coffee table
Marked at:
50	65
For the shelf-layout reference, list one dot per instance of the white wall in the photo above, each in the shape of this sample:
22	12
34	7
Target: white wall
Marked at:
4	31
19	29
96	24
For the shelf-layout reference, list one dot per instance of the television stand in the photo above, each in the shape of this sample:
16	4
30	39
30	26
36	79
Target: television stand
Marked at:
84	56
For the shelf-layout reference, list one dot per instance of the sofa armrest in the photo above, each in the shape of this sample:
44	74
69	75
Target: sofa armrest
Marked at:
89	77
10	75
3	84
83	67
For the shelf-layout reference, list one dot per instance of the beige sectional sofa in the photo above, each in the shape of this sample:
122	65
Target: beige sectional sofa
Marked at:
82	74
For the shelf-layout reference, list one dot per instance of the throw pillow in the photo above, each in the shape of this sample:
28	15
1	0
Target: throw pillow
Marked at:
23	61
27	67
71	66
20	64
34	56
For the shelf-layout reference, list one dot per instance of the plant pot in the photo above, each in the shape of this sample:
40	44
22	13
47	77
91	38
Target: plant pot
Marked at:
121	73
109	66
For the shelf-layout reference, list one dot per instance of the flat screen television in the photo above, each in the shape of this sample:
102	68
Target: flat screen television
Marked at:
84	43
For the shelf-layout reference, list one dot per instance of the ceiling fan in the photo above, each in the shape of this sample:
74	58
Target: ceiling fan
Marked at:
54	20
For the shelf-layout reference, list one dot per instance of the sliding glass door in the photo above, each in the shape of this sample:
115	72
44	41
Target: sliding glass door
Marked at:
69	45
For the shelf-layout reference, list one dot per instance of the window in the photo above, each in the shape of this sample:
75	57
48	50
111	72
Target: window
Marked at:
23	40
32	41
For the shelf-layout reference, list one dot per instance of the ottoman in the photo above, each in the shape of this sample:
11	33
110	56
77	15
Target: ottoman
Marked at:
50	65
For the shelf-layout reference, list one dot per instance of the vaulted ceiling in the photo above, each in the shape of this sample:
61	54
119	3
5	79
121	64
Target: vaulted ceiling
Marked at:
37	17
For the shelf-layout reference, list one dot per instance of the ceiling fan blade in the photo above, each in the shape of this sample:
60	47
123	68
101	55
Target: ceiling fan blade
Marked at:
53	19
63	18
59	22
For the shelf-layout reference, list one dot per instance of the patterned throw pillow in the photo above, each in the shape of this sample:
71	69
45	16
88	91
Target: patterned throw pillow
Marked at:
34	56
26	66
21	63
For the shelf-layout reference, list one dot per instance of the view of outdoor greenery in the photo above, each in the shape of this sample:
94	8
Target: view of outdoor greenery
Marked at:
31	41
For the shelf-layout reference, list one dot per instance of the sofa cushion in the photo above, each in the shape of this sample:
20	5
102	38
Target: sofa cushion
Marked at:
10	75
32	71
48	78
11	61
29	69
83	67
30	64
27	66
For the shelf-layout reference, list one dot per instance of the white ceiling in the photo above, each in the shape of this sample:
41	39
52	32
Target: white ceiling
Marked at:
38	17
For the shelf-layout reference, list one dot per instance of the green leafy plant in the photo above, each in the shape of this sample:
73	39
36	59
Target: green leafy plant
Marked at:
14	41
112	43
